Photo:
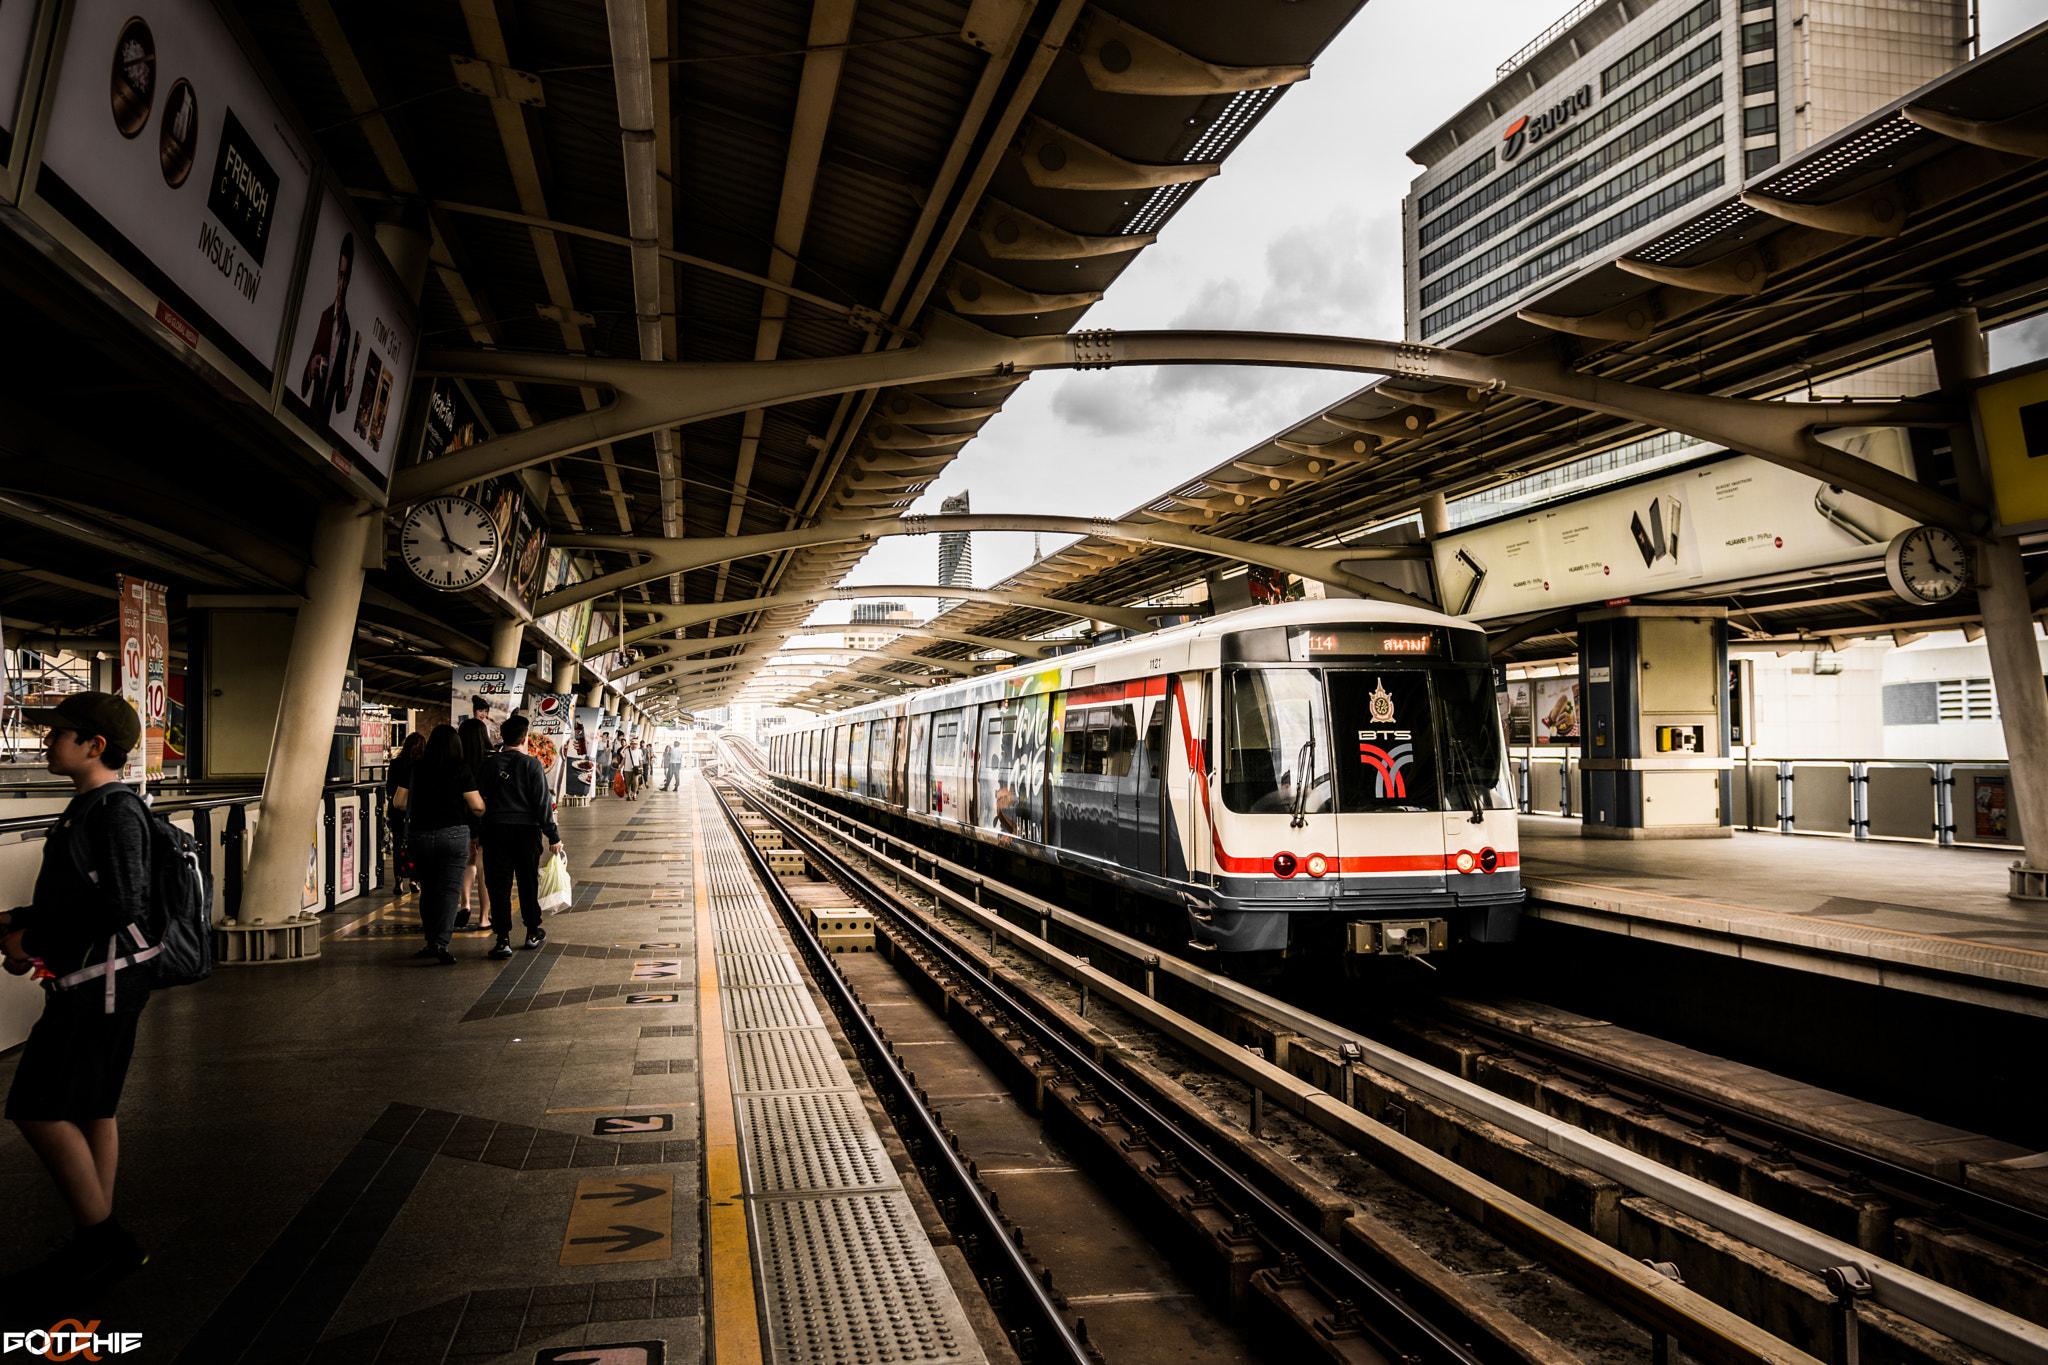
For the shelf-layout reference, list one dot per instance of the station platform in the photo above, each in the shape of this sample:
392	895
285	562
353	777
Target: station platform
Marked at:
1900	916
627	1147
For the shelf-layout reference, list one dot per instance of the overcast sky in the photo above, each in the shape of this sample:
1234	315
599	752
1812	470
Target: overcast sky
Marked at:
1300	233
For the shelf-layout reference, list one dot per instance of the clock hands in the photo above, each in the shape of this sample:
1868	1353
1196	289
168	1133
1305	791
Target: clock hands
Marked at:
447	539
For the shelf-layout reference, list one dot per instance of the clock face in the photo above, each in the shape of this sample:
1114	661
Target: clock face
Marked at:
450	543
1927	565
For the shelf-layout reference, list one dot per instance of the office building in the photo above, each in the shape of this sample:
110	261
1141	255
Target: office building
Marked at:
1627	113
956	553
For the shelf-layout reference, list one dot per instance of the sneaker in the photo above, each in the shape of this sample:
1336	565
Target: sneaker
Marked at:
462	918
534	938
426	952
500	952
444	957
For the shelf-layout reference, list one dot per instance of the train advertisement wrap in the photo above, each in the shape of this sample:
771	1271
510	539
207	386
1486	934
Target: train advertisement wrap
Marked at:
166	151
1719	522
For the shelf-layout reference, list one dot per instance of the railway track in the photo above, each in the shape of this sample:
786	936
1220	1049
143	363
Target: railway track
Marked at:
1322	1075
1283	1281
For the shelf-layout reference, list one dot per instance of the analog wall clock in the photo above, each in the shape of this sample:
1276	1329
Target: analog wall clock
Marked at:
450	543
1927	565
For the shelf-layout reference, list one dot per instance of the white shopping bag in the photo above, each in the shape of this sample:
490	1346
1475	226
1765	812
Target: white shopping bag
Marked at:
555	891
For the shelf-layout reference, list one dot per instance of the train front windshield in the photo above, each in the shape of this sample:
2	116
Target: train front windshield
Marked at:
1357	740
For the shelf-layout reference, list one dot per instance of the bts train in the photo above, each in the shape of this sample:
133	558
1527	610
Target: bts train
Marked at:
1309	777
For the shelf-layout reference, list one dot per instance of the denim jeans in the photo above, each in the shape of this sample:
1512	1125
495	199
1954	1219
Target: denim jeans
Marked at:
439	855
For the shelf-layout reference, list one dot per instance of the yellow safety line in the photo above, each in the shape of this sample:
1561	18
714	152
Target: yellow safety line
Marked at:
735	1326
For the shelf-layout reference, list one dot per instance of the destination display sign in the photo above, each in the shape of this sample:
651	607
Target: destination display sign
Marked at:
1718	522
1314	644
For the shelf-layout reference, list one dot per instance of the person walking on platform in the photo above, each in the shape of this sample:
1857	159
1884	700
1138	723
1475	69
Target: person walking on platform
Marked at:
519	830
396	777
439	799
93	888
671	768
475	737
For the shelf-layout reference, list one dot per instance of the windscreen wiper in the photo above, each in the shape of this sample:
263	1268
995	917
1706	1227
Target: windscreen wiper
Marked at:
1304	764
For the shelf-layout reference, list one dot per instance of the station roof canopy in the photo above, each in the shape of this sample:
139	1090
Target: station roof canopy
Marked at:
727	180
1744	299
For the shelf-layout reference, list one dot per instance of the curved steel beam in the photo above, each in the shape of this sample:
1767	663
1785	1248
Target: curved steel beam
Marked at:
675	617
961	666
648	395
687	648
665	556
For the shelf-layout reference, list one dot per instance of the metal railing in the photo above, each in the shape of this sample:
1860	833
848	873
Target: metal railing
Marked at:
350	861
1547	37
1948	803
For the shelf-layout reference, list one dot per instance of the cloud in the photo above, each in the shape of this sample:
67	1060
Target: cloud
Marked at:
1103	410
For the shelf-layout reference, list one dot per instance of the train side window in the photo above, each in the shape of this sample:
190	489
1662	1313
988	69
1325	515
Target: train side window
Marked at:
1122	737
1074	742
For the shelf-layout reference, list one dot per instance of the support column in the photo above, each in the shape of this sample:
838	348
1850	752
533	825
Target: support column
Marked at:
594	694
506	638
1960	357
1436	516
566	673
297	768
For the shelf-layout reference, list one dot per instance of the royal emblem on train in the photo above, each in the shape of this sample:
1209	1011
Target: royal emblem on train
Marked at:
1382	703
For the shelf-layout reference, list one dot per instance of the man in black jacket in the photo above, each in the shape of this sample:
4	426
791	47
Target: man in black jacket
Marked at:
93	888
519	814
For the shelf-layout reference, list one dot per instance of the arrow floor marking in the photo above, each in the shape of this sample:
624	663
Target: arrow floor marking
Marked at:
612	1219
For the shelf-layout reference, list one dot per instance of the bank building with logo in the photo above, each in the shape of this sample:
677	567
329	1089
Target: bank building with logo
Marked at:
1627	113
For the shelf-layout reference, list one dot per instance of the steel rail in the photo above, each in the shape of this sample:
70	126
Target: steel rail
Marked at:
2000	1334
1902	1184
1020	1287
1707	1330
1415	1337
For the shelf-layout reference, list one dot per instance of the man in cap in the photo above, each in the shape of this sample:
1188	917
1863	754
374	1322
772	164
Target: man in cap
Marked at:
93	889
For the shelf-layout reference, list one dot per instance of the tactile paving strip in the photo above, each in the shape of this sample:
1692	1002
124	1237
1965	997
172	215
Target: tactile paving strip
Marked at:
741	970
769	1007
848	1276
812	1140
852	1279
786	1059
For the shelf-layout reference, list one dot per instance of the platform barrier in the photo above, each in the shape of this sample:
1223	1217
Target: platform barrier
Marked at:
1948	804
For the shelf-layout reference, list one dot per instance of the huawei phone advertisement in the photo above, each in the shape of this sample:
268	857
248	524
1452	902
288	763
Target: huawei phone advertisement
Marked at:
352	353
166	151
1720	522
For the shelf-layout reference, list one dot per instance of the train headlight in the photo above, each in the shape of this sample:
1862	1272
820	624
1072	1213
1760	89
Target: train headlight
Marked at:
1488	860
1466	862
1284	864
1317	864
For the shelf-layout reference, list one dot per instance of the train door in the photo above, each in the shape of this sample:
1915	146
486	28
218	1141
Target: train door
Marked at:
1141	850
1185	784
917	786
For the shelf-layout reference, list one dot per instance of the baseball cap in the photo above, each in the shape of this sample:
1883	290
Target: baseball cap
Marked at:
91	713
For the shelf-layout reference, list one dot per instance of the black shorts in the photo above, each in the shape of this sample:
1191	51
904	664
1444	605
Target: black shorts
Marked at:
74	1062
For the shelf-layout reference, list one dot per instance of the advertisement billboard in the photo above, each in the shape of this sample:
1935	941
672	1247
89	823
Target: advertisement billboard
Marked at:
582	773
166	153
488	694
552	736
1727	520
349	369
17	32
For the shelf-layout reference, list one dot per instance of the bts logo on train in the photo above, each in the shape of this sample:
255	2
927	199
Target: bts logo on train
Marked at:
1533	128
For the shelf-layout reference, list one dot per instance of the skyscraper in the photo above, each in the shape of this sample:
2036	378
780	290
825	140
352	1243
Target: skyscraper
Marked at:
956	554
